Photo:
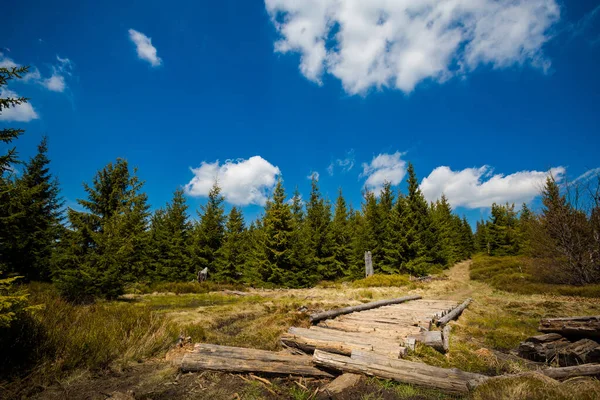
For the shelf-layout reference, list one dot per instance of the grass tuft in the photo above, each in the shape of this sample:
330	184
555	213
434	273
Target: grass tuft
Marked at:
380	280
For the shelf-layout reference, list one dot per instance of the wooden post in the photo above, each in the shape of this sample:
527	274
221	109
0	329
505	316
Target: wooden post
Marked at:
368	264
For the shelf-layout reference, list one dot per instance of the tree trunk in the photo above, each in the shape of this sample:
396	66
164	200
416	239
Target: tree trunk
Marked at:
423	375
361	307
237	359
454	313
574	327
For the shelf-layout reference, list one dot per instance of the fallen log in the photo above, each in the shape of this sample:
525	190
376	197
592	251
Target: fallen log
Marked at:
361	307
454	313
571	372
573	327
330	340
583	351
448	380
237	359
542	348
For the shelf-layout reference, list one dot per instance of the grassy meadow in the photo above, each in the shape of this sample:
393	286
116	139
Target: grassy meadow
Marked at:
78	347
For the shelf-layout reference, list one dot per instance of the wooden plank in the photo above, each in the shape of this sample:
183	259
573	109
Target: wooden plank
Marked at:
446	338
308	340
572	372
429	338
231	359
448	380
387	329
454	313
573	327
361	307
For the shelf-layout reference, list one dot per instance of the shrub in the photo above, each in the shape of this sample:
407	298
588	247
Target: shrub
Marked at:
520	274
381	280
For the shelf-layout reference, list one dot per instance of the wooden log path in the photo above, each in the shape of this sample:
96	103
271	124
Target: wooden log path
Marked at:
382	327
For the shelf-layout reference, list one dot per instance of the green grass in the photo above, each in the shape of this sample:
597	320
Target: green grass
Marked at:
515	274
379	280
182	287
61	337
169	302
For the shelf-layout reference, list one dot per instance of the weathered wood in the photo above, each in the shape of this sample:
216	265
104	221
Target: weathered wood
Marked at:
429	338
541	351
395	331
368	264
446	338
573	327
545	338
583	351
236	359
454	313
448	380
572	372
339	342
361	307
341	383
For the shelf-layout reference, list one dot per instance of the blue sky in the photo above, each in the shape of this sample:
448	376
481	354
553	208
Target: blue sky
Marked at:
484	97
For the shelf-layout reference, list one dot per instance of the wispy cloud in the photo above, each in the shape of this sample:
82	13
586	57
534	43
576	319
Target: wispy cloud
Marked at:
313	174
345	164
480	187
242	182
145	50
398	44
56	82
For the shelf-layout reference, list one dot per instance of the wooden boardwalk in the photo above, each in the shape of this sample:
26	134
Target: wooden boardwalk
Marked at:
384	330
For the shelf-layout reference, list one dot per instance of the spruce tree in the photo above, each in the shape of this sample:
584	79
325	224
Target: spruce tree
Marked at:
395	251
341	236
170	241
231	255
369	230
320	247
209	232
276	267
39	206
7	135
105	246
418	237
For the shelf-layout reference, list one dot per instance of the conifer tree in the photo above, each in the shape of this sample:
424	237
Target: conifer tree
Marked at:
320	246
105	246
448	227
341	235
255	258
368	230
170	241
7	135
209	232
419	237
277	267
466	238
231	255
38	206
395	250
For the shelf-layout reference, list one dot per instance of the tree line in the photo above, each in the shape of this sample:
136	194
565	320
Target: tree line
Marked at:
563	238
113	239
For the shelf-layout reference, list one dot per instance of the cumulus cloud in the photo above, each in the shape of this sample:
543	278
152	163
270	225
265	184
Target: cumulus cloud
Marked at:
242	182
397	44
21	113
480	187
384	168
145	50
345	164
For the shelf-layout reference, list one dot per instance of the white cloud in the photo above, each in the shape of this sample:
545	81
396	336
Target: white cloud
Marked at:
145	50
346	164
397	44
314	174
384	168
21	113
587	175
56	83
480	187
242	181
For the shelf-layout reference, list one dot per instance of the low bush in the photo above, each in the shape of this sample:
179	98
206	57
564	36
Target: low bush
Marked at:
183	287
380	280
520	274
